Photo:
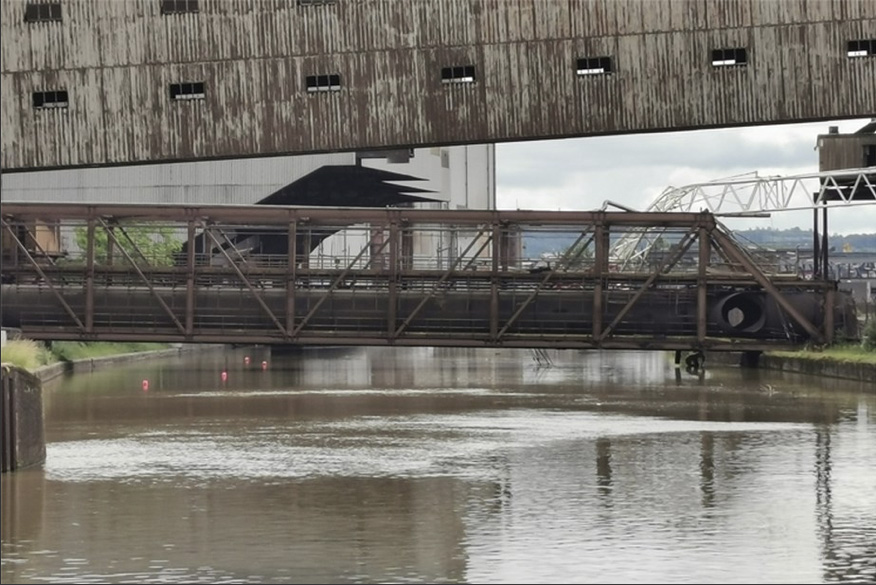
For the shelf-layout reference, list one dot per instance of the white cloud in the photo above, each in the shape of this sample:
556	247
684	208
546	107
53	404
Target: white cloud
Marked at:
633	170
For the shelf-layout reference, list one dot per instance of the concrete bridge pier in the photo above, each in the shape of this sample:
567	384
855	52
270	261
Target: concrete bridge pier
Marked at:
22	435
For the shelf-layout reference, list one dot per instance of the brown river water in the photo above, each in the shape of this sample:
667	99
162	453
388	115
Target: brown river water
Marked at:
334	465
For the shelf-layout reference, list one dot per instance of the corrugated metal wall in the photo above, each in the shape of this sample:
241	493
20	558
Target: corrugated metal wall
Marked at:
117	60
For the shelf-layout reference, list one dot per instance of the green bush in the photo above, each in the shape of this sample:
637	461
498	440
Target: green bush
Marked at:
868	339
26	353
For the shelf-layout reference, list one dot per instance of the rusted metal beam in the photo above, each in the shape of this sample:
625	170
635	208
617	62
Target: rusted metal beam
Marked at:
248	284
539	341
436	287
291	274
600	269
190	278
343	216
392	301
667	263
494	283
334	285
829	327
561	264
733	251
110	253
147	282
48	281
89	277
230	242
131	241
705	254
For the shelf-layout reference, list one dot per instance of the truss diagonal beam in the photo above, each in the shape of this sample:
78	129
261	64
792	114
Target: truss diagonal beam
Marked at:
146	281
339	279
45	278
248	284
564	262
733	251
667	263
231	244
441	281
128	237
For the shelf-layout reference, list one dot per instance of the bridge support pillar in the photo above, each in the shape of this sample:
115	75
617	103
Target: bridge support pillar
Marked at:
22	437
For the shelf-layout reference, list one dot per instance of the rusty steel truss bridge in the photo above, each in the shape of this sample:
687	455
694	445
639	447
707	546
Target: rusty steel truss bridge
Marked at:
400	276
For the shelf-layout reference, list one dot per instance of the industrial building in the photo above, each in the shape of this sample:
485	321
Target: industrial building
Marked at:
88	83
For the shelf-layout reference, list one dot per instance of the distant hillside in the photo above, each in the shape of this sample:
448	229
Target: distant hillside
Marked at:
537	244
800	238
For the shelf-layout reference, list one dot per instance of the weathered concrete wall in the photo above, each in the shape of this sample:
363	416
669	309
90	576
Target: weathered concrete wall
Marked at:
830	368
827	368
51	372
23	436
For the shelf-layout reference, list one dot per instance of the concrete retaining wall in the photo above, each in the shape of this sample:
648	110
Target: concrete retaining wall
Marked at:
22	434
51	372
821	367
827	368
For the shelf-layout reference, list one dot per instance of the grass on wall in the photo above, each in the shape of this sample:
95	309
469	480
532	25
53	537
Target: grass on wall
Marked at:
30	355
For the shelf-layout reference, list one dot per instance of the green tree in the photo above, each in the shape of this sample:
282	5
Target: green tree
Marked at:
157	243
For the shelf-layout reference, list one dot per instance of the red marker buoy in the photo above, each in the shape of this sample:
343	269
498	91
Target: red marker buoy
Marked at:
145	385
264	365
224	376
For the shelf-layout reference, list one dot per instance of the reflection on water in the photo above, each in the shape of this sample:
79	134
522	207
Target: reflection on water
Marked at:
363	465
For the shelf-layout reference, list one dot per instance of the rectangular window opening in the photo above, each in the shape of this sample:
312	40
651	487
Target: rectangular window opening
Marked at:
42	12
594	66
179	6
458	74
193	90
44	100
730	57
316	2
862	48
323	82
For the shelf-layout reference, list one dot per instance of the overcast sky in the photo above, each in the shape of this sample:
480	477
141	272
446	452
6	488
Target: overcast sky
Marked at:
582	173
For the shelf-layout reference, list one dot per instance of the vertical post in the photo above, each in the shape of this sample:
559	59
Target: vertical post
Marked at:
89	278
307	245
503	250
407	248
376	256
22	237
816	252
494	284
392	307
110	251
190	279
291	273
703	260
599	268
825	245
829	326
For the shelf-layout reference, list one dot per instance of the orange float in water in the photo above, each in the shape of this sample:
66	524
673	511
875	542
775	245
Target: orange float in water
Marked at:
145	385
224	376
